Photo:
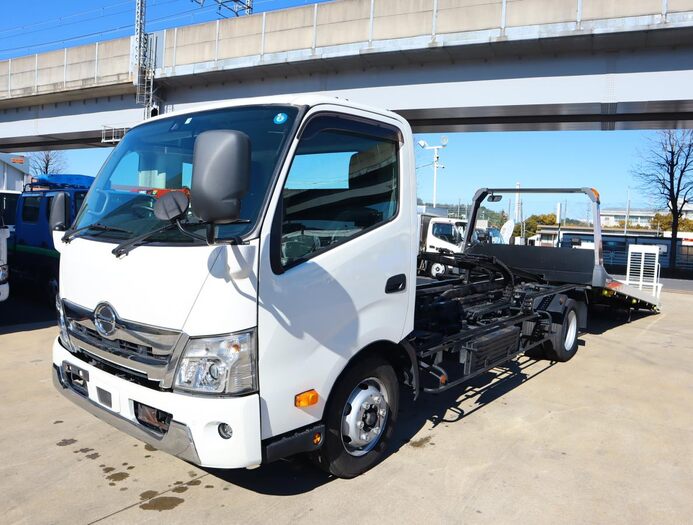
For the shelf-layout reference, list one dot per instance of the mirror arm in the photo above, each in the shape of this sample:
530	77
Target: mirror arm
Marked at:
189	234
234	239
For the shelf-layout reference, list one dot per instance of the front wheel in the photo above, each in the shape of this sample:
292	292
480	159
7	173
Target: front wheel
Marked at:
360	418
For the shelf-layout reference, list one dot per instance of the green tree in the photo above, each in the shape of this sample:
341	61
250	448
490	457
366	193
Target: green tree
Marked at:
663	221
532	222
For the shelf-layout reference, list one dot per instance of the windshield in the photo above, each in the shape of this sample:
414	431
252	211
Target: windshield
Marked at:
448	232
156	158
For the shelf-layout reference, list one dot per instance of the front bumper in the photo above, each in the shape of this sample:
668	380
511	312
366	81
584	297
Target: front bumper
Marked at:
193	432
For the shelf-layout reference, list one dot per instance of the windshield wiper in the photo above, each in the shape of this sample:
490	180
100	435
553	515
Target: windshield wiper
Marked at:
128	245
71	234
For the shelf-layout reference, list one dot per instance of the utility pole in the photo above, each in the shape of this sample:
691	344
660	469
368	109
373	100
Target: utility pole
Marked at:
436	163
625	226
518	204
144	78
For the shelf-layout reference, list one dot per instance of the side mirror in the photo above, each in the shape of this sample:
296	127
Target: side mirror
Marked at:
221	175
59	214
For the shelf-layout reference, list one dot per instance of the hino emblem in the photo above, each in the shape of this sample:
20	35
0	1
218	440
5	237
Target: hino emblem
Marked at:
105	320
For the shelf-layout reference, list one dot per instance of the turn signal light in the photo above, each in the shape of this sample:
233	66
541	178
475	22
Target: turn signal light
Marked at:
306	399
317	438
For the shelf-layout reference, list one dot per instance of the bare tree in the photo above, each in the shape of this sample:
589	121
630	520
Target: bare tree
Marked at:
666	172
47	162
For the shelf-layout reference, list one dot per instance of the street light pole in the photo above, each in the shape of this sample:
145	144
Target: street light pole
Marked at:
436	163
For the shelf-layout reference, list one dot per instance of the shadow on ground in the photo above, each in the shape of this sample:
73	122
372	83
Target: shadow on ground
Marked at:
24	310
297	475
603	318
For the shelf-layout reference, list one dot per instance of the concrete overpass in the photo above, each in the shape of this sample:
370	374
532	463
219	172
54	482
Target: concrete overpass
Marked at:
446	65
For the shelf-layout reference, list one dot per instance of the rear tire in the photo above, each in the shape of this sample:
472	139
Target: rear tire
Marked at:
564	334
436	270
360	418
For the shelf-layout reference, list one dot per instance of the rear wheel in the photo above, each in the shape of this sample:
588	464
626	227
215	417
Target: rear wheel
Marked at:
436	270
564	334
360	420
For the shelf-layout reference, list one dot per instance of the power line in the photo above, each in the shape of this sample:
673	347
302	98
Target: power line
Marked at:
62	19
106	31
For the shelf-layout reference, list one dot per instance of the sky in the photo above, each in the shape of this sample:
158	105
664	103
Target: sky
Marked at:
66	23
603	159
600	159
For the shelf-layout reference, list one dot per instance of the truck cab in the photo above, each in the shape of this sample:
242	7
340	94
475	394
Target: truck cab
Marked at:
225	344
439	235
33	255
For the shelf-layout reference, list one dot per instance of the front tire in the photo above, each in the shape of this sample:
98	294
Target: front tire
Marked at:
360	418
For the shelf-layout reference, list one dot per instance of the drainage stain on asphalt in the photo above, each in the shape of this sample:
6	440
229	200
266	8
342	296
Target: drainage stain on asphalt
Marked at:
148	494
57	421
118	476
106	470
193	482
418	443
93	456
66	442
179	489
149	448
162	503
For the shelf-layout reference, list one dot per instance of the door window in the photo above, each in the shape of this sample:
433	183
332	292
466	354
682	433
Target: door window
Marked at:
8	207
343	181
30	209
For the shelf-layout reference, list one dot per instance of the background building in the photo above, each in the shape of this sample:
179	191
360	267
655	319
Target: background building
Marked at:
14	172
636	217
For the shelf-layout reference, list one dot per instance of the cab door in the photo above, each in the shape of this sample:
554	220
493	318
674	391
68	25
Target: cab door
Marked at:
337	269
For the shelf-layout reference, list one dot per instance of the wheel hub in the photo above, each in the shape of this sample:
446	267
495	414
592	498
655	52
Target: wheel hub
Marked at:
364	417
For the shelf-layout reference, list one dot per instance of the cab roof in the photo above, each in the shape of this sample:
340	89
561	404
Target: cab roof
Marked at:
289	100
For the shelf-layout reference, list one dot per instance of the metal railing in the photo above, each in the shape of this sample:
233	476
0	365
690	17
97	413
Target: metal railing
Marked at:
328	29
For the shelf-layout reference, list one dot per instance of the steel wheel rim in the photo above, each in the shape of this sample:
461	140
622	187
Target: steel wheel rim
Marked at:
365	417
571	332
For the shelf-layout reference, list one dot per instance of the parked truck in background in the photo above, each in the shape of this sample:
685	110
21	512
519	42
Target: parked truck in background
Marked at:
438	235
240	285
32	256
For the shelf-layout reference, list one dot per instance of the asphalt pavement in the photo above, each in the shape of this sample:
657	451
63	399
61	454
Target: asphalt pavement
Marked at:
605	438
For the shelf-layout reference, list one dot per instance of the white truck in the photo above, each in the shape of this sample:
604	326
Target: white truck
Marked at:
240	286
439	235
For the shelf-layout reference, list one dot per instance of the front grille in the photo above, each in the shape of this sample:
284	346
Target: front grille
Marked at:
144	351
90	335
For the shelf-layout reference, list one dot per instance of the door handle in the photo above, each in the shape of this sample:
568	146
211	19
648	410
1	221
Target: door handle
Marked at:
396	283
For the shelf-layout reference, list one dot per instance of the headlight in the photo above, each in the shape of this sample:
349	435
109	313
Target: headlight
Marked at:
219	365
4	273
